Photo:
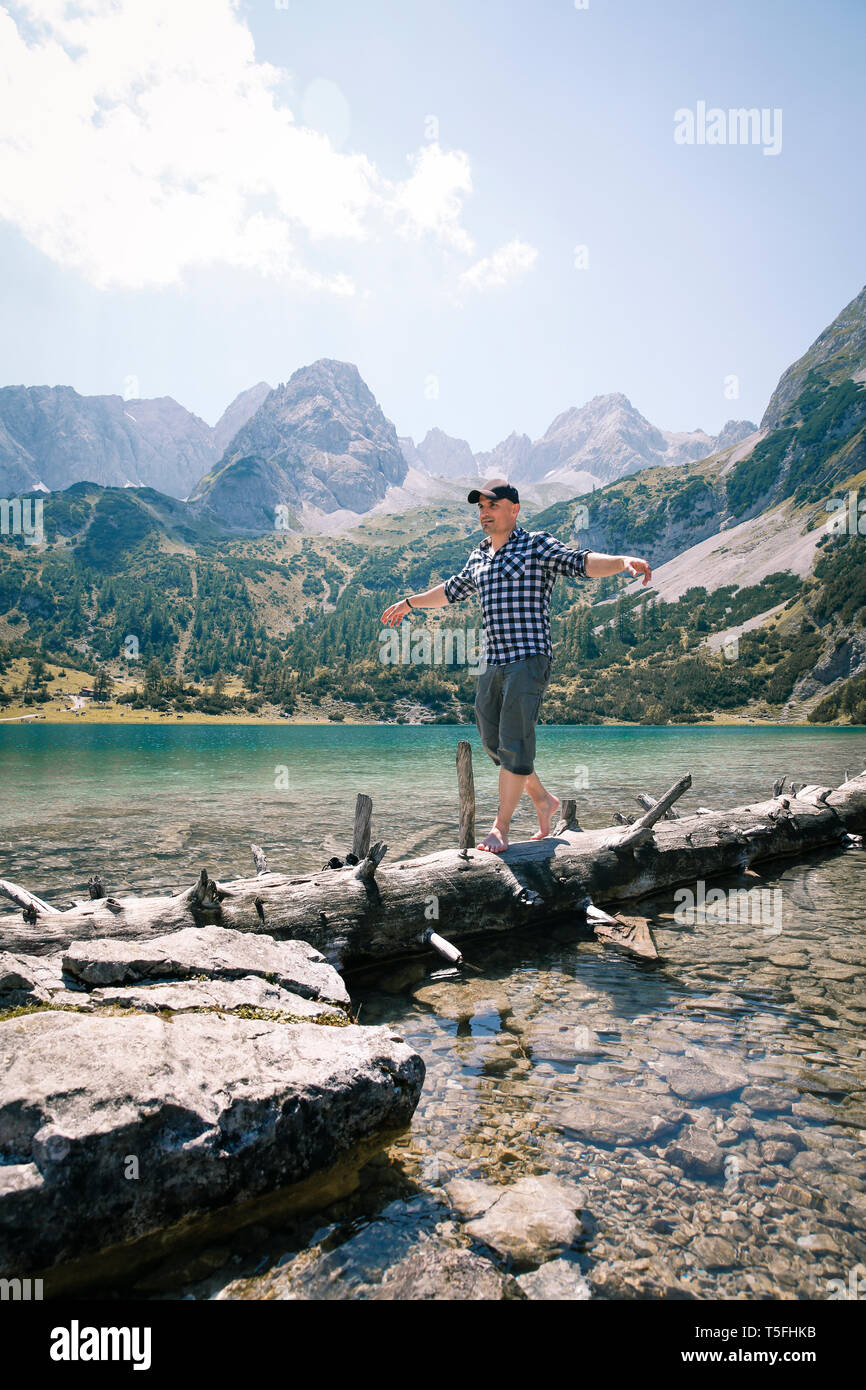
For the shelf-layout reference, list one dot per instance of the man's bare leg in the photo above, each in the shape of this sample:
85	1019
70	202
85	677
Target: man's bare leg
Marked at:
545	804
511	788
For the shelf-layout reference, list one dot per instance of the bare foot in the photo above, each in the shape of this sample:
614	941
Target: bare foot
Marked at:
495	842
545	814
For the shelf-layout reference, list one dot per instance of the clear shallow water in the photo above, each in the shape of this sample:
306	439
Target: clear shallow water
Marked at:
549	1054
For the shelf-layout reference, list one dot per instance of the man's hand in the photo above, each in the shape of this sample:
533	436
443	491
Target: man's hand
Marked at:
396	613
635	566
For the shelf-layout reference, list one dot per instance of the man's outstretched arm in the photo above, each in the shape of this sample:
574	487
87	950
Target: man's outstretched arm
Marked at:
597	565
585	564
433	598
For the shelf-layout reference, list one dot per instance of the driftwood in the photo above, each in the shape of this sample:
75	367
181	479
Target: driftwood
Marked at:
373	911
649	801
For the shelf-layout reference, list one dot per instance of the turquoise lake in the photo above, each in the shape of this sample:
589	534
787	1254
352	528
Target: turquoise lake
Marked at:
148	807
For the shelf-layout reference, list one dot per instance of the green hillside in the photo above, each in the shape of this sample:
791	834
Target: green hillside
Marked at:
131	588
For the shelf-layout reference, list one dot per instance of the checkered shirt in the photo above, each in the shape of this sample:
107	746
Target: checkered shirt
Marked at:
514	584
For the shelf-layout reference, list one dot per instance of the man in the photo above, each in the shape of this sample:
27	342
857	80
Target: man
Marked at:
513	572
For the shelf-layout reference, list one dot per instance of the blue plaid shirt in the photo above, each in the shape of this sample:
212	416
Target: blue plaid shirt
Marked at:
514	584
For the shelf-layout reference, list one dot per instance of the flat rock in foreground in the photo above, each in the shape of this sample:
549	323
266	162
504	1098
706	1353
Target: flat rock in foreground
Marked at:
214	952
111	1127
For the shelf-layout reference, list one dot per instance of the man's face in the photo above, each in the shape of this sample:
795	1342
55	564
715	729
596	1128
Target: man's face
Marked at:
496	515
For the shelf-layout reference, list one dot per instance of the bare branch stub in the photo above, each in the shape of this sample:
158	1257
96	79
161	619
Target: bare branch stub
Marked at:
205	896
259	859
366	870
567	817
466	792
95	886
361	829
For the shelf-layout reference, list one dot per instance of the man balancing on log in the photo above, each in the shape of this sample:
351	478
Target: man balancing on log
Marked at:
513	572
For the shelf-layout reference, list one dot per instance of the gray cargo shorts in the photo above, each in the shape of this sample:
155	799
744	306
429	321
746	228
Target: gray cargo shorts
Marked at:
507	706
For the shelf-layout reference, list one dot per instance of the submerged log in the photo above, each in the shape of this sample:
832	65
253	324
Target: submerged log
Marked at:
378	911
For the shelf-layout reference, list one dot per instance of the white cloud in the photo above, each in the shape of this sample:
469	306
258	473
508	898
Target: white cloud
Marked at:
142	138
505	264
430	201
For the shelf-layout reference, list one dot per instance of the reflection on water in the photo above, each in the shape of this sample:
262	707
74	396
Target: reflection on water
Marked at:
710	1107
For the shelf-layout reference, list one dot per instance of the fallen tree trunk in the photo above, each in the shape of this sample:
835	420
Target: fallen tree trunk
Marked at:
374	911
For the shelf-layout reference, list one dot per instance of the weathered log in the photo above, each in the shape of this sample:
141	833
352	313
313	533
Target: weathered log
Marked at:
534	884
466	793
361	831
813	792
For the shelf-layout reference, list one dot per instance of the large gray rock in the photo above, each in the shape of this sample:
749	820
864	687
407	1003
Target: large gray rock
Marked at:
17	981
215	952
114	1126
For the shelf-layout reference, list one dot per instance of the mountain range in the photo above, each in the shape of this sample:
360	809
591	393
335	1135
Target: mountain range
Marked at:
51	437
318	447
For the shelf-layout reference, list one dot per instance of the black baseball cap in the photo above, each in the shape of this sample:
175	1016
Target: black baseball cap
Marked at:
501	490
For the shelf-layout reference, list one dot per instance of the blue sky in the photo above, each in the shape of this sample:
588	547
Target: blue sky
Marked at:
198	196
